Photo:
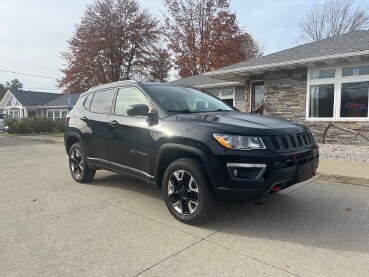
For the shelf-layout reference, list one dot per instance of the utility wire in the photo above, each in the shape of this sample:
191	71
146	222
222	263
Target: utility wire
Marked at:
27	74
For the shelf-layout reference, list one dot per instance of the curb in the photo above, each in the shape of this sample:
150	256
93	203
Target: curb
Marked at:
355	181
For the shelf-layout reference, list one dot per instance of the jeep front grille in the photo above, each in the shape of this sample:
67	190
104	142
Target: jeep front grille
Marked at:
291	142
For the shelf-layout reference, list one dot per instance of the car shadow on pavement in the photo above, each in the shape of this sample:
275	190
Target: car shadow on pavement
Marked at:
318	214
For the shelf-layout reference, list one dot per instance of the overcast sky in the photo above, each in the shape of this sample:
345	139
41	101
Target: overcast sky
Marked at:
34	32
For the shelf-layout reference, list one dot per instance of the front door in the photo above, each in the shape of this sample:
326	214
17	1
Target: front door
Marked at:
257	97
130	142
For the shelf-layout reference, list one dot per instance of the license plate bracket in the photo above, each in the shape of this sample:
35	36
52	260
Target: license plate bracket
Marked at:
304	172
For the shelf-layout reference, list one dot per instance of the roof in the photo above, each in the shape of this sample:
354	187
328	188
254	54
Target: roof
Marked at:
203	81
37	98
33	98
62	100
355	43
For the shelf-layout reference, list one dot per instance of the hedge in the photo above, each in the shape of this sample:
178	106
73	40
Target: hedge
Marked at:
36	125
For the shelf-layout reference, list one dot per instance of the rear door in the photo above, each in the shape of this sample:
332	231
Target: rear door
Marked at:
94	127
130	142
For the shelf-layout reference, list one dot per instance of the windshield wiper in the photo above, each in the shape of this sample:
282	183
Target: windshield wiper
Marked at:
180	111
218	110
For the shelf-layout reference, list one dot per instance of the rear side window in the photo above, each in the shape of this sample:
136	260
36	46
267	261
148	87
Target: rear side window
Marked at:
102	101
1	116
88	100
126	97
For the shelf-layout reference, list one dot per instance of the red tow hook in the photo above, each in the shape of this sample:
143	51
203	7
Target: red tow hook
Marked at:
275	189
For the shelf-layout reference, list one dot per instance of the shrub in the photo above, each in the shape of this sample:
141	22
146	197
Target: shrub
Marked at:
36	125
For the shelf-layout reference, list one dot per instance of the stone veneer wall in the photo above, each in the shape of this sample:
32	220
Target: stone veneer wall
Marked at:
286	92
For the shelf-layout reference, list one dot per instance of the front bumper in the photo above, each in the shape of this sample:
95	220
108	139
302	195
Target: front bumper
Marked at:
277	171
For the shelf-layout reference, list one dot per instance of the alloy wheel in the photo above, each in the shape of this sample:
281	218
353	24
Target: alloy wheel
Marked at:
183	192
76	163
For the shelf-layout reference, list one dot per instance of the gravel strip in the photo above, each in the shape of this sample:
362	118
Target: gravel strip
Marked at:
344	152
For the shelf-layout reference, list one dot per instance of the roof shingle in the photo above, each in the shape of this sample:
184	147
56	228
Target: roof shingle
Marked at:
351	42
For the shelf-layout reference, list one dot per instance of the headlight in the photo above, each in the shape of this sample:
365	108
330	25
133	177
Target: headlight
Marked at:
239	142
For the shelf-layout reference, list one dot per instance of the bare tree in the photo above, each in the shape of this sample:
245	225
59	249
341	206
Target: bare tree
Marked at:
332	18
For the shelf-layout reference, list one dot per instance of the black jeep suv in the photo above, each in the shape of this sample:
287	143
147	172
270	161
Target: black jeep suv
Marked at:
193	146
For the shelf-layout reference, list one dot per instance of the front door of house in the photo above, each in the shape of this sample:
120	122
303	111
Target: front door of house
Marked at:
257	97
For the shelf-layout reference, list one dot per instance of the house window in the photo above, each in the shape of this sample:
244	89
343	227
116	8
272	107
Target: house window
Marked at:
321	100
14	113
338	94
322	74
354	99
57	113
225	94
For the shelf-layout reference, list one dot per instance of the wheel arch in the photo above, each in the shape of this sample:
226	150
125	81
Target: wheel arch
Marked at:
71	139
170	152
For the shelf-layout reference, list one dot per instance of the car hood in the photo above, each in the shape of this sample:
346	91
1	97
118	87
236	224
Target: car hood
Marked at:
242	123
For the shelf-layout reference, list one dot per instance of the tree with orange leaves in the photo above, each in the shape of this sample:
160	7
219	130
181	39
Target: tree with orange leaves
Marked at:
204	35
114	41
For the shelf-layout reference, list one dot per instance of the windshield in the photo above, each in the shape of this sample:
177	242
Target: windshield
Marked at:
186	100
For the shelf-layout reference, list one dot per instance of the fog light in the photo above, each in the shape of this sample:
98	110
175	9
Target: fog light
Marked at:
246	171
235	172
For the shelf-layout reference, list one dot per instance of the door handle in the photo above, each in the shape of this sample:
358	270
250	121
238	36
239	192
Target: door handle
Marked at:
113	123
83	118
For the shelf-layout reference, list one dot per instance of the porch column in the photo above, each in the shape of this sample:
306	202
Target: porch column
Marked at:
20	112
25	112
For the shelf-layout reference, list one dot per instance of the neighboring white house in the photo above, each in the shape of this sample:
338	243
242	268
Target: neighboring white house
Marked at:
19	104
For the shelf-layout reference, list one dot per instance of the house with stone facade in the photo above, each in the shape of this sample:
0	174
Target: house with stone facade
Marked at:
319	84
20	104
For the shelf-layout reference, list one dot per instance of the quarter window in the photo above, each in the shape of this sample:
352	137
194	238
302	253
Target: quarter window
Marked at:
102	101
88	101
126	97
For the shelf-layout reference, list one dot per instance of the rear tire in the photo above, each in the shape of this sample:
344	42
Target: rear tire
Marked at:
187	192
78	167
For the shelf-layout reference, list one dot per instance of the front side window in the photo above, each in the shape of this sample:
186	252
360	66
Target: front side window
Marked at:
354	99
102	101
127	97
321	100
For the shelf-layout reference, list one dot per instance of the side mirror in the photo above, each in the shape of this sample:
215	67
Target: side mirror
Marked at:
138	109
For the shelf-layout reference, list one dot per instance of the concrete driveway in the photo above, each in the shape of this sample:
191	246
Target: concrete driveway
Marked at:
117	226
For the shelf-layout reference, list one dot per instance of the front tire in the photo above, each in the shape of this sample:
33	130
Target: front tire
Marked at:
187	192
78	167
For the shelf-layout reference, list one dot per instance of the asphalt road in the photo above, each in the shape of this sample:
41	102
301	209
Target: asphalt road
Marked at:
117	226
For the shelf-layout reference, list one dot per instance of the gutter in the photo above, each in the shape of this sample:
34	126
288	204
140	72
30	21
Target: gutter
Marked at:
287	63
224	84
